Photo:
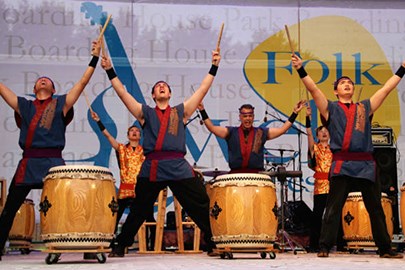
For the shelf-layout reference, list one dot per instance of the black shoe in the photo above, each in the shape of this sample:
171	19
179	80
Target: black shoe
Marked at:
117	251
391	255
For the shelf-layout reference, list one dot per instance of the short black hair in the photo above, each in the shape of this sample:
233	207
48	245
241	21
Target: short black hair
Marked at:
246	106
335	84
153	87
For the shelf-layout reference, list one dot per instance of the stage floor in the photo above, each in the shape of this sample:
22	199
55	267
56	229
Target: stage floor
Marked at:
287	260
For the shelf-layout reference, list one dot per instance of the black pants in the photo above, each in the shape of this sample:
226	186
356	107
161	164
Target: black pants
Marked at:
339	188
190	193
151	230
15	198
316	224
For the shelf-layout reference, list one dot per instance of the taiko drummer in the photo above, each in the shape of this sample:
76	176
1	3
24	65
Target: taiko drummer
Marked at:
42	124
246	143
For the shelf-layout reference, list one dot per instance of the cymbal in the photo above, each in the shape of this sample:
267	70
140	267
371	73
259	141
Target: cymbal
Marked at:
214	173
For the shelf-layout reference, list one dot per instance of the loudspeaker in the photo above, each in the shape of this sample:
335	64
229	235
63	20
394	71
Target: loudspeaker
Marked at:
297	217
386	160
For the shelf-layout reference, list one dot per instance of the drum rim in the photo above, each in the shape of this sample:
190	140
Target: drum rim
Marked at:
65	170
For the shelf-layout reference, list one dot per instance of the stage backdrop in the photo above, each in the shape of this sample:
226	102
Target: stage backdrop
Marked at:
159	40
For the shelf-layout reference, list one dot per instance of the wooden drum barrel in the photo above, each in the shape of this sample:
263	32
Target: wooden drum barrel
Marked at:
78	207
356	221
243	210
23	226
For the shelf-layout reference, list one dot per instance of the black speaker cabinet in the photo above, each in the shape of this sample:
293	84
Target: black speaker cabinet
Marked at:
386	160
297	217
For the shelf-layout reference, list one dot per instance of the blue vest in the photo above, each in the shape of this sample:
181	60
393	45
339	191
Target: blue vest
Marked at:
49	133
360	140
256	157
174	141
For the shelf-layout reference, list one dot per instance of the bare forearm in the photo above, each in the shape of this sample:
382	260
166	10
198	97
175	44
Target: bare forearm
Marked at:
9	97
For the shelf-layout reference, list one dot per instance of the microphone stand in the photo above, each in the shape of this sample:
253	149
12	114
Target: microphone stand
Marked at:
299	132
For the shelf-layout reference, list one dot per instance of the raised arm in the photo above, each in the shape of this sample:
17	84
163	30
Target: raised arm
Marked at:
311	140
276	132
191	104
319	97
103	130
378	98
134	107
9	97
74	93
218	131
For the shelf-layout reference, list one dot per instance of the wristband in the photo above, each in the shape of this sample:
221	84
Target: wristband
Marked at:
93	61
292	117
111	73
213	70
100	125
204	115
301	71
400	72
307	122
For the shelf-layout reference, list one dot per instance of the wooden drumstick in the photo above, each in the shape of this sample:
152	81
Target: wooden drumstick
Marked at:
87	101
219	37
289	39
104	27
103	51
358	97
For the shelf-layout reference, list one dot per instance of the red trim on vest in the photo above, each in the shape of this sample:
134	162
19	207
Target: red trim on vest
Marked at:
39	108
245	148
164	122
350	114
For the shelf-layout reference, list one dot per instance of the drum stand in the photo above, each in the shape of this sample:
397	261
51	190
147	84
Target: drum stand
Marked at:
285	237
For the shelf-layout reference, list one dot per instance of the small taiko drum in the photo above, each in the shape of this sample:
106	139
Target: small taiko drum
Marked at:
356	221
78	207
23	226
243	209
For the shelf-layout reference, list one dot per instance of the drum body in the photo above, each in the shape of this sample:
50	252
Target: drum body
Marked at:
243	210
356	221
23	226
78	207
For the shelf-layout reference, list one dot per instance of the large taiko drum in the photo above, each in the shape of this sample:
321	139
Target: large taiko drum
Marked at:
23	226
78	207
356	221
243	209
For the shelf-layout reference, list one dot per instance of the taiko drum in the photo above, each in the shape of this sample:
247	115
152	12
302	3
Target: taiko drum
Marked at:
243	210
356	220
23	226
78	207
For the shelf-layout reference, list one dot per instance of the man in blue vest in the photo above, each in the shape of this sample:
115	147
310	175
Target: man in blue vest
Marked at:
164	148
353	165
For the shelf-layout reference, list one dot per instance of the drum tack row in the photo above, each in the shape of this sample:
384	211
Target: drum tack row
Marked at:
243	214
